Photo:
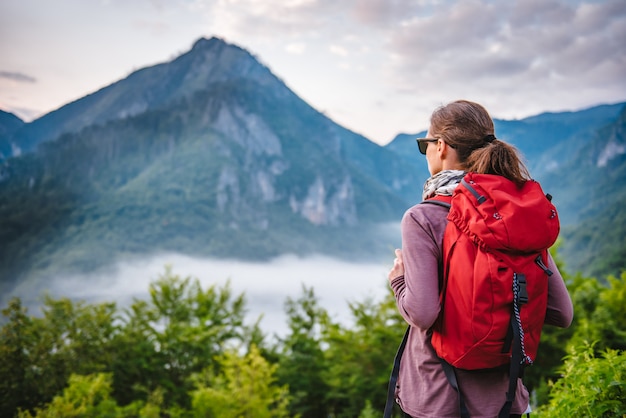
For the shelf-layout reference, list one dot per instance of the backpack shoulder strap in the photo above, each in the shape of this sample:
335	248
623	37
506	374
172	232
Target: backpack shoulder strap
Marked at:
393	379
439	200
443	201
446	202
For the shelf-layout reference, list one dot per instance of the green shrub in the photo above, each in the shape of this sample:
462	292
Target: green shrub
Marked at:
590	386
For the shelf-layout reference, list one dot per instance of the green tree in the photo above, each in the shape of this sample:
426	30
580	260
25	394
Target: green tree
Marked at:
86	396
172	336
301	363
70	337
245	387
369	411
360	359
18	382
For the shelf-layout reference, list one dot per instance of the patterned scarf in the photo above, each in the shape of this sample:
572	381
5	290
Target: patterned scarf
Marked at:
443	183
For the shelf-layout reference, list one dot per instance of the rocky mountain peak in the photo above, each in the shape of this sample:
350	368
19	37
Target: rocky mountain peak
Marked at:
209	61
213	60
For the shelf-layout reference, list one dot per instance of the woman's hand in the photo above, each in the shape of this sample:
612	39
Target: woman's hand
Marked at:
398	267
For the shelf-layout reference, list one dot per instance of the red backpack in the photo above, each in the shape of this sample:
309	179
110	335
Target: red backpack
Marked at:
494	290
495	251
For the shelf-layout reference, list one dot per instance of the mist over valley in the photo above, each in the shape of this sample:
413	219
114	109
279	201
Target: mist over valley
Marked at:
266	285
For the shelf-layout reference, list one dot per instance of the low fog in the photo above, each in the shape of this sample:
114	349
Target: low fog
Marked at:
266	285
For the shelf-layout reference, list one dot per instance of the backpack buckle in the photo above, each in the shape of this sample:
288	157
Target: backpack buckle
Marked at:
522	293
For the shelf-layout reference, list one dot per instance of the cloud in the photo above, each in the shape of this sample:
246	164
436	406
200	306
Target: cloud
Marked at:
338	50
447	44
382	13
154	27
547	50
529	28
464	40
271	18
296	48
18	77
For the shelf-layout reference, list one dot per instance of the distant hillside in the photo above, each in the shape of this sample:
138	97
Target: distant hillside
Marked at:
227	162
550	140
405	146
594	182
9	124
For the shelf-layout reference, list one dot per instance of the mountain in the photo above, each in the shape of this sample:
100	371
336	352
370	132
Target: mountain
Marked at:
209	155
405	146
549	140
594	182
9	124
210	61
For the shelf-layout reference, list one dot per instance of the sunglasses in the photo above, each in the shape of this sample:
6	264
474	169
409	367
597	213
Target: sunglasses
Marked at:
422	143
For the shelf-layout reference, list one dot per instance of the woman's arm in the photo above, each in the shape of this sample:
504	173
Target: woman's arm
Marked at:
560	309
414	277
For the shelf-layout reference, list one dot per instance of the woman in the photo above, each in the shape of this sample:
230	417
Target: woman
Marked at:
460	139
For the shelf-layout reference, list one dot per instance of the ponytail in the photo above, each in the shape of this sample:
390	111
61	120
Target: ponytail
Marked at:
499	158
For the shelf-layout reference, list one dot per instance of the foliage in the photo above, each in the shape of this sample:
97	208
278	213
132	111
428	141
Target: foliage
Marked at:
86	396
175	334
301	363
150	349
369	411
361	357
600	310
42	352
591	385
245	387
185	351
18	380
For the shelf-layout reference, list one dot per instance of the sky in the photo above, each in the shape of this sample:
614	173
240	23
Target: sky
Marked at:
377	67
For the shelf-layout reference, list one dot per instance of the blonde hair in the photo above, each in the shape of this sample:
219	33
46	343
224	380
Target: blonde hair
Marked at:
467	127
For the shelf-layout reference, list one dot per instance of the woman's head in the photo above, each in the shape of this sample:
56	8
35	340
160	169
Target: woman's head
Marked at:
468	129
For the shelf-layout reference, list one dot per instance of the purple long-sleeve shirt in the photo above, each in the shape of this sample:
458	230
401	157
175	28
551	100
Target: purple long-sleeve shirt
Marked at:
423	390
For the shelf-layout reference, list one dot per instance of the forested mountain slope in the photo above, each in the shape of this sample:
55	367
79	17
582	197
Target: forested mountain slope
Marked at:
228	163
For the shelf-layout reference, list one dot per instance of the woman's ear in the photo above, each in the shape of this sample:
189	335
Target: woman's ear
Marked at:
442	149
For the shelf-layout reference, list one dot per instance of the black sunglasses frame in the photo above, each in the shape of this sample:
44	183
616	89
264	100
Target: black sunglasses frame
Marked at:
422	144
